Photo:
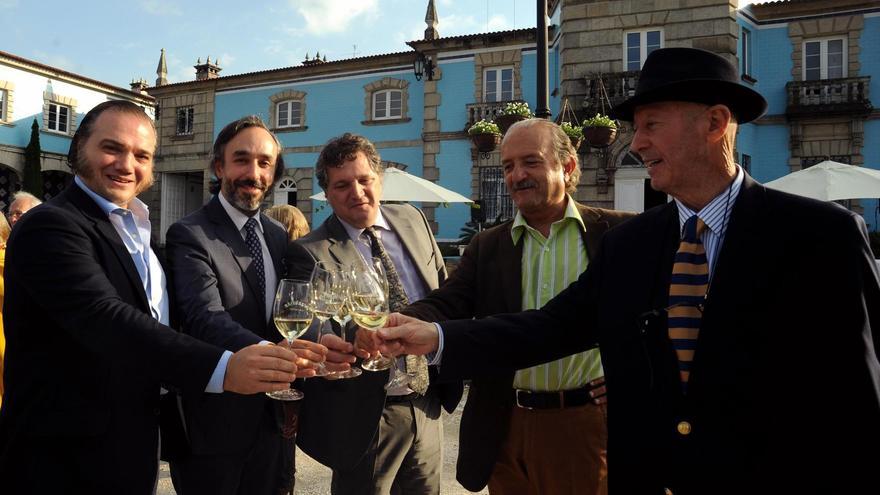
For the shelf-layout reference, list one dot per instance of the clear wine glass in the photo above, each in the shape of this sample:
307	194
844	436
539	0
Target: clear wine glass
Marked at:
342	317
328	296
292	313
369	309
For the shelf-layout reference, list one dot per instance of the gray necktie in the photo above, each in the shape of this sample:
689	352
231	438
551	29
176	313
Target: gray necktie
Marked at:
397	300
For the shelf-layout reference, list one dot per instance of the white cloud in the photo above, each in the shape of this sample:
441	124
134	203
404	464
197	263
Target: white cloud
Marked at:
161	7
334	16
226	60
57	61
499	22
8	4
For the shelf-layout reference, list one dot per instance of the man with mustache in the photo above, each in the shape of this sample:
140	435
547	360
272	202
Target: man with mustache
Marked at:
549	417
225	265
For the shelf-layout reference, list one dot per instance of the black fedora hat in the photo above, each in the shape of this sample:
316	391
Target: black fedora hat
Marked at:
693	75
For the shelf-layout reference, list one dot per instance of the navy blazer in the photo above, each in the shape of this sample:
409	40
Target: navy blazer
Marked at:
218	300
784	392
85	358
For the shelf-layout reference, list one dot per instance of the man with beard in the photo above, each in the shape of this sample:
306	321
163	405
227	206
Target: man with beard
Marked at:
86	325
225	265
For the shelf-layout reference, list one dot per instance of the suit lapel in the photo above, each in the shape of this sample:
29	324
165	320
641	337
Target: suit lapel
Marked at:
510	261
412	242
102	224
341	247
276	243
594	229
230	236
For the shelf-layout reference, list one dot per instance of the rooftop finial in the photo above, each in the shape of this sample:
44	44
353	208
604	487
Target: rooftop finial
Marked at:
431	32
162	70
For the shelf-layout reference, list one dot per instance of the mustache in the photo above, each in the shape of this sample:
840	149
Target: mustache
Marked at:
524	184
250	183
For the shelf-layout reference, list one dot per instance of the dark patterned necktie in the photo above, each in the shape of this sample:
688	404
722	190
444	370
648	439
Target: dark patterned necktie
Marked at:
253	245
687	292
417	366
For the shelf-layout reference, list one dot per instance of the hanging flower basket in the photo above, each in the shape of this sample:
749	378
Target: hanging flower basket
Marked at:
505	121
576	142
600	137
486	142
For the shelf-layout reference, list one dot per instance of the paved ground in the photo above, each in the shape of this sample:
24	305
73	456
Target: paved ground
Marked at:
314	479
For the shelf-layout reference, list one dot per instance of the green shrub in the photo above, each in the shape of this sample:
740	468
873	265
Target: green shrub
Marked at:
484	127
600	121
573	131
517	108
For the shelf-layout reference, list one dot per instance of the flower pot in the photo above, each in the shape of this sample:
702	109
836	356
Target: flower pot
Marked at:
505	121
600	137
576	142
486	142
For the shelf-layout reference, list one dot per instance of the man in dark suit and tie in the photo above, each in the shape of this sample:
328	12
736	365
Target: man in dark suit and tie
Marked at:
86	318
736	323
375	443
225	263
527	431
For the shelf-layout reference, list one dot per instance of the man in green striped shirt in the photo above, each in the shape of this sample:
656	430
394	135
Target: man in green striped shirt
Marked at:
542	429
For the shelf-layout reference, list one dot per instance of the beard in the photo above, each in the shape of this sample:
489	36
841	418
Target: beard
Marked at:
245	202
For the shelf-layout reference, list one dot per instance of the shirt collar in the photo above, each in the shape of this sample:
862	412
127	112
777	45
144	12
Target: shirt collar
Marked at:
136	206
716	213
354	233
571	214
238	218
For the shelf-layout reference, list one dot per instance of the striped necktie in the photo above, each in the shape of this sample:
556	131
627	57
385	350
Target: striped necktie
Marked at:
687	292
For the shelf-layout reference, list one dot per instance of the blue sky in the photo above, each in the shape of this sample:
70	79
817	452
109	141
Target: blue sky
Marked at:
116	41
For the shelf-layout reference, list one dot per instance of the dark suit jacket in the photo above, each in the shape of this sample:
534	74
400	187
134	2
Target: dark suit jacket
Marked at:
339	419
784	392
218	298
84	358
488	281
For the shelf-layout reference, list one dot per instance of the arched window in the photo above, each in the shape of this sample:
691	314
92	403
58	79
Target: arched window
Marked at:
285	192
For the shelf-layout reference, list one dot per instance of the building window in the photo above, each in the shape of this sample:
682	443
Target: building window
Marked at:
59	118
746	52
824	59
494	195
185	117
387	104
638	45
498	84
285	192
288	114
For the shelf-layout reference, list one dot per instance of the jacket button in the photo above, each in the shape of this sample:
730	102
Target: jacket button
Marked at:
683	427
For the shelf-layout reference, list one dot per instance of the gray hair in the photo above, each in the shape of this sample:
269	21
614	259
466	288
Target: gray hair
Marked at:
562	147
35	201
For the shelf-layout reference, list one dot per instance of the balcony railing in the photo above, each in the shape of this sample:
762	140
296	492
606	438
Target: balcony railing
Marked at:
618	86
844	96
485	111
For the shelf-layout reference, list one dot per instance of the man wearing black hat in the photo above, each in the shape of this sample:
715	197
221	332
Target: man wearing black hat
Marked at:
735	322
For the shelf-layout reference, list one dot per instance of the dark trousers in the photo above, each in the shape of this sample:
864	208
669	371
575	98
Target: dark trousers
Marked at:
407	455
262	470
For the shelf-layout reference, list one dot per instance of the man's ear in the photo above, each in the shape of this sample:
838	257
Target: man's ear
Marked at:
720	118
569	166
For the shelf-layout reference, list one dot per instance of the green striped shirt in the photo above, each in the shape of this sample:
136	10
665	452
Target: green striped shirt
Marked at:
549	265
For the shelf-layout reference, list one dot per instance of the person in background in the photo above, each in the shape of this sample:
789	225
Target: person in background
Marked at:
4	235
22	201
291	219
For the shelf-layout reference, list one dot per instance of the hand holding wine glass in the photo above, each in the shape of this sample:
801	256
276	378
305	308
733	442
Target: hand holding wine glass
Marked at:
292	313
328	296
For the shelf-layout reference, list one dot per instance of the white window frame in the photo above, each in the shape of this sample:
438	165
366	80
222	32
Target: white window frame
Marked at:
387	105
4	98
499	89
643	45
746	55
289	107
823	56
285	185
190	121
55	125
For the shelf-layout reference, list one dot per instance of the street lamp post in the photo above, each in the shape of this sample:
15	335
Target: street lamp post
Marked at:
542	109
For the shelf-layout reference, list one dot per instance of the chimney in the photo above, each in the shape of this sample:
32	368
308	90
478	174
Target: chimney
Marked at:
207	70
139	85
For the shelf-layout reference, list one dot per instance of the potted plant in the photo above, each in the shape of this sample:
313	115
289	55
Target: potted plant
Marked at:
600	131
485	135
512	113
574	132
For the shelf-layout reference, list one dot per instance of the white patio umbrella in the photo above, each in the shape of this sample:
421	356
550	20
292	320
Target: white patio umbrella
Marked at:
398	185
831	181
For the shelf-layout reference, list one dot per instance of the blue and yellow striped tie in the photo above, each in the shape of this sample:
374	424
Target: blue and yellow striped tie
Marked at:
687	291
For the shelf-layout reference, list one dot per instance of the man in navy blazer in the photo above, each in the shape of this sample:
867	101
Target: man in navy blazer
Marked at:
783	390
225	265
86	318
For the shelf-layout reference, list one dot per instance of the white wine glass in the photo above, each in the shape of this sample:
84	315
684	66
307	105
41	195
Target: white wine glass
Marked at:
342	317
328	297
292	313
369	309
